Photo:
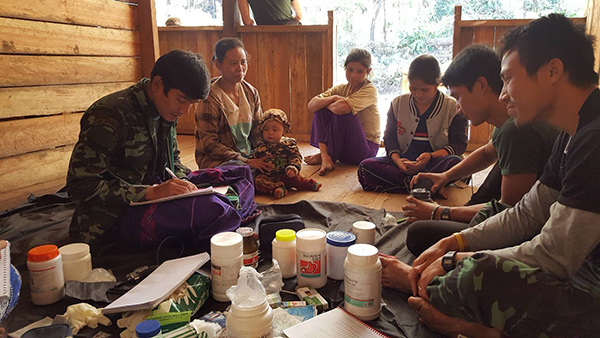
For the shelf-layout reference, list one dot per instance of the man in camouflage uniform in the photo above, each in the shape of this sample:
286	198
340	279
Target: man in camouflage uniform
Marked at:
532	270
127	140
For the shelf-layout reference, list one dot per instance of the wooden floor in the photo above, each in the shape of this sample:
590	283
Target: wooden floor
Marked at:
341	185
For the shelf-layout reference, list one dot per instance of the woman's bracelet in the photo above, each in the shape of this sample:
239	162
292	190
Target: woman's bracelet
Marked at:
430	156
460	240
434	210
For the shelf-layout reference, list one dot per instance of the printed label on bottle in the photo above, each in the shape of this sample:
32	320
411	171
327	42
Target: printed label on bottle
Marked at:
224	276
310	264
251	259
361	290
45	280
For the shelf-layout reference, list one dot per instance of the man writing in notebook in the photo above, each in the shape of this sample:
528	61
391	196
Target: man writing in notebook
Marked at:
532	270
127	140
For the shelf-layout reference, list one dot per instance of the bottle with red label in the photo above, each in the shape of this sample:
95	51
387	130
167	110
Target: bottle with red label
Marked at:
311	253
250	244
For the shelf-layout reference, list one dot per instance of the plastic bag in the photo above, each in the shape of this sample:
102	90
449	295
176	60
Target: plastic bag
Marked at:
271	279
249	291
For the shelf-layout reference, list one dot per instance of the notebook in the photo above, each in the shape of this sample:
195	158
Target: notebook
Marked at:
159	285
199	192
5	272
334	323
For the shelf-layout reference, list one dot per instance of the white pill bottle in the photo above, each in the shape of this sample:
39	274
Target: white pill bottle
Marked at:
362	282
226	259
284	251
46	279
311	252
77	261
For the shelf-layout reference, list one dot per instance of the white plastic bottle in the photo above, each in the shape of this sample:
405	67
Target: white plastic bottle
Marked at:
311	252
77	261
362	282
227	257
46	279
284	251
337	249
250	322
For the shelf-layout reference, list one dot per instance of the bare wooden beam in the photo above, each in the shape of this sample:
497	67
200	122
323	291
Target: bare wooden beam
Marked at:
148	35
231	18
456	38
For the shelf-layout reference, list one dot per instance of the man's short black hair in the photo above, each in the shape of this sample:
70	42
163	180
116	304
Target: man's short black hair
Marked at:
471	63
183	70
554	36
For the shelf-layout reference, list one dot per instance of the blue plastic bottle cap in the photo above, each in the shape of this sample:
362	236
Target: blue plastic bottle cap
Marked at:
147	328
340	238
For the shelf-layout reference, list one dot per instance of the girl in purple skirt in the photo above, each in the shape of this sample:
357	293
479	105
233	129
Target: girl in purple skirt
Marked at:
345	124
424	133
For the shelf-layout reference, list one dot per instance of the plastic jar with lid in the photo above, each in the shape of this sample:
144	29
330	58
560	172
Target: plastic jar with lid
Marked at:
77	261
337	248
227	257
250	246
250	322
148	329
46	279
362	282
311	252
284	251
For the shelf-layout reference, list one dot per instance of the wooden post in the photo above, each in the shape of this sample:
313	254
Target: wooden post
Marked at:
148	35
231	18
456	39
330	52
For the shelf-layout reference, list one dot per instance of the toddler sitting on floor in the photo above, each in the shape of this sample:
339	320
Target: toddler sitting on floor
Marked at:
283	152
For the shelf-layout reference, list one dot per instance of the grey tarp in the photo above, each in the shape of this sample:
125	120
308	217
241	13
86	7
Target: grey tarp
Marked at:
45	220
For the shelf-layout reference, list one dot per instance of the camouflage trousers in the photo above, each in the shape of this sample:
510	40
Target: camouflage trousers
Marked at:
266	185
515	298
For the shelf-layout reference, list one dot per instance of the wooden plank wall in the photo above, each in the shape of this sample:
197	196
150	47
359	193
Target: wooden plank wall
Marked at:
57	57
487	32
288	64
593	26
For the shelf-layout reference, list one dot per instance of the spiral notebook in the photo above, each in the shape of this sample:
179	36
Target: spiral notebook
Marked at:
334	323
5	272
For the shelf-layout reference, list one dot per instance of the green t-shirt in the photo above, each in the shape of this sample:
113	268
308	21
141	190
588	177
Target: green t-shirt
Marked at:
523	150
270	12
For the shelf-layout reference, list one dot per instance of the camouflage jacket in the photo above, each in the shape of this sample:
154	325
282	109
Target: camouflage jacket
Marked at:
285	154
123	148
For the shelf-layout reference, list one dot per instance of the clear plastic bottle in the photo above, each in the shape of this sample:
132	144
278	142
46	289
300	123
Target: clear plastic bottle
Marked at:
362	282
311	252
284	251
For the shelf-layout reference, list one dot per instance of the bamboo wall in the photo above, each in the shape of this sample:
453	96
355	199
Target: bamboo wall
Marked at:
57	57
487	32
288	64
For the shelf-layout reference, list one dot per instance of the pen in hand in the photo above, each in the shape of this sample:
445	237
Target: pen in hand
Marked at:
171	173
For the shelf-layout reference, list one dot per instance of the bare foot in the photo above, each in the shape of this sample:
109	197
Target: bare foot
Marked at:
394	274
313	159
449	326
327	164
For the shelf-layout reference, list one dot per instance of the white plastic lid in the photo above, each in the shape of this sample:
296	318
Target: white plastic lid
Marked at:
311	239
363	254
74	251
363	225
226	243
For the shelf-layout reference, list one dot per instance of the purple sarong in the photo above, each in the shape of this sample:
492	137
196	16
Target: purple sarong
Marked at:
381	174
195	219
343	135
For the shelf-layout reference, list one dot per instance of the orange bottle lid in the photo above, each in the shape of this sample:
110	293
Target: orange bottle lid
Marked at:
42	253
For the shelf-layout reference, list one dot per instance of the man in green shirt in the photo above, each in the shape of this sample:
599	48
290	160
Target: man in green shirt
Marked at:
271	12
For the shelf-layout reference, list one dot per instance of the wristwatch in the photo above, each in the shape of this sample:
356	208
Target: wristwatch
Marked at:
445	215
449	261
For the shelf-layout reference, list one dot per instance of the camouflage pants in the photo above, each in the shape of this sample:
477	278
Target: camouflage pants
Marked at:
519	300
266	185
